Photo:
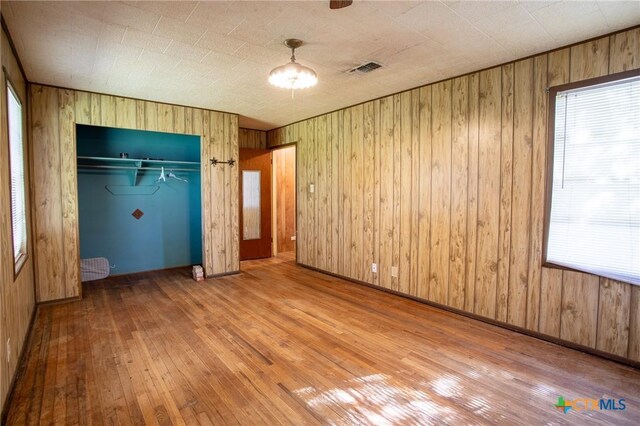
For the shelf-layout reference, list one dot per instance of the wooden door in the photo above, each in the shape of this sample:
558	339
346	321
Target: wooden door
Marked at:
255	203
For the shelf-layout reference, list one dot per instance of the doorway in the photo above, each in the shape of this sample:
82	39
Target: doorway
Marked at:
284	200
267	202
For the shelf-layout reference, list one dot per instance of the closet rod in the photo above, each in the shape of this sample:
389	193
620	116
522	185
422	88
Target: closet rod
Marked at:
95	166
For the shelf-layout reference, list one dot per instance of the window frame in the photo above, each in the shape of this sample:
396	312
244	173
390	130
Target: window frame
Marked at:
9	87
551	125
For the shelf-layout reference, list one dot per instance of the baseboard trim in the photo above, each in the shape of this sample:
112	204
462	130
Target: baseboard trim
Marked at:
59	301
530	333
224	274
20	367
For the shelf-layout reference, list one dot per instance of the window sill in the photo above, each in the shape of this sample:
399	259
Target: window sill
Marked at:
623	279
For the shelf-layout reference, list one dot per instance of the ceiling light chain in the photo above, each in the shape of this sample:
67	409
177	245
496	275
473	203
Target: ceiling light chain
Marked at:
293	61
293	75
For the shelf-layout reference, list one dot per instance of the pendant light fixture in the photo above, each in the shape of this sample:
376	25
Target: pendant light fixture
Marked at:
293	75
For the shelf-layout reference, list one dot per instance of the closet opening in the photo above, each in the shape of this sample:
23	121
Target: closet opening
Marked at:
139	200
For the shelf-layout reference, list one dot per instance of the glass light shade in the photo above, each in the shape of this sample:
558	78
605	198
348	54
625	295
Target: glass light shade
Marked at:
293	76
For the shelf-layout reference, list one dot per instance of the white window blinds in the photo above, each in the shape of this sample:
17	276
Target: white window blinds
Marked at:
16	159
594	221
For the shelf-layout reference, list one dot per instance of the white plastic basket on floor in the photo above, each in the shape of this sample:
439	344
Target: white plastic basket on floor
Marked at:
95	268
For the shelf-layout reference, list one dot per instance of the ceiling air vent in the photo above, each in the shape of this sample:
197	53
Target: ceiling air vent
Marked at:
365	68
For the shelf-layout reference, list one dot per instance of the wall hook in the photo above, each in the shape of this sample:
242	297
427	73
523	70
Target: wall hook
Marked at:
215	161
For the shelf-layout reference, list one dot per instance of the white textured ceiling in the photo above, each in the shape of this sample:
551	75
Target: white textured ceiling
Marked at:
218	54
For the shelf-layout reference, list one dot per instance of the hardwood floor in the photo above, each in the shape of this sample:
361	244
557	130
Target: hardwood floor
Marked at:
280	344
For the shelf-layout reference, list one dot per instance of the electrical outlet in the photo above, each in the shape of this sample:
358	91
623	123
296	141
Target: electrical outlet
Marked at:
293	238
9	349
312	188
374	268
394	271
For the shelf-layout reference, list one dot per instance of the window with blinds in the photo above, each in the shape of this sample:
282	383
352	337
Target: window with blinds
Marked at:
594	217
16	162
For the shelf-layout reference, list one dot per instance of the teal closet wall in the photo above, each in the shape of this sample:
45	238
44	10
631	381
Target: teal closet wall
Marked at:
169	234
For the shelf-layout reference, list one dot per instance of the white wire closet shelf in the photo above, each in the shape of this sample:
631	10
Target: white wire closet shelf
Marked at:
136	165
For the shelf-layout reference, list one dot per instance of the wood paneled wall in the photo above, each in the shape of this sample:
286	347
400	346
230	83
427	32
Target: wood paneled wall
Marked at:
54	115
284	196
17	298
443	187
254	139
